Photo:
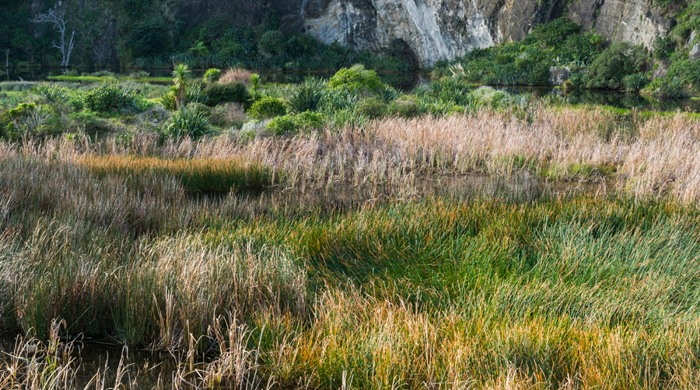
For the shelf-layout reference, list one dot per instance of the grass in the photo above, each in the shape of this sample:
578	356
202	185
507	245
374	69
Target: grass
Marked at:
364	257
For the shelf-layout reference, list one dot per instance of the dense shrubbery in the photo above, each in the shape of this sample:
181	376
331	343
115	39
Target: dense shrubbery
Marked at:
267	108
610	68
212	75
188	122
218	93
29	120
113	98
559	43
357	80
293	123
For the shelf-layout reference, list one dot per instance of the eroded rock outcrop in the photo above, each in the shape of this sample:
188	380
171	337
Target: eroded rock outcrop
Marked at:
441	29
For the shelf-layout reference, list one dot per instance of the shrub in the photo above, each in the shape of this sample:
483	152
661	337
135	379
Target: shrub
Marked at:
212	75
447	90
404	108
51	93
112	98
290	124
235	92
151	38
307	97
358	80
687	71
229	114
272	42
267	108
635	82
188	122
29	120
616	62
664	46
371	107
669	89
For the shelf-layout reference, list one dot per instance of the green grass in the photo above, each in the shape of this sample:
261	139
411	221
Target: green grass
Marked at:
154	80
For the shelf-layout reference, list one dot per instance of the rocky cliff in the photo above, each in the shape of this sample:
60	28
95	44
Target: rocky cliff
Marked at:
441	29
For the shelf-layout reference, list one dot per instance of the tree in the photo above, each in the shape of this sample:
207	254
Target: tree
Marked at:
57	17
181	79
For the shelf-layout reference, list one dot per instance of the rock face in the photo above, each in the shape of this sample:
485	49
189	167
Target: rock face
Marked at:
443	29
438	29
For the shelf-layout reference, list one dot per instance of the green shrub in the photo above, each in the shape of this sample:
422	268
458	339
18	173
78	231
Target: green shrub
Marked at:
307	97
372	108
358	80
687	71
51	93
291	124
667	88
235	92
272	42
29	120
150	38
616	62
635	82
212	75
267	108
664	46
404	108
447	90
188	122
112	98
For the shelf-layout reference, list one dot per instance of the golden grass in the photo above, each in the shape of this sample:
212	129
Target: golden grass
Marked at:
236	75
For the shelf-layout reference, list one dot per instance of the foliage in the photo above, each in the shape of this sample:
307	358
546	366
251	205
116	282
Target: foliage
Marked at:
51	93
193	95
610	68
181	80
218	93
307	97
664	46
293	123
635	82
150	38
187	122
267	108
212	75
29	120
111	98
446	90
687	72
667	88
358	80
373	108
272	43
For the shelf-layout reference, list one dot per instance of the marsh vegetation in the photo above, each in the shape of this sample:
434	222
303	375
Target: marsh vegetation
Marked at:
343	234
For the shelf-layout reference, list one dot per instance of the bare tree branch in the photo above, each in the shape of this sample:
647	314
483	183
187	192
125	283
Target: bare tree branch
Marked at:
57	17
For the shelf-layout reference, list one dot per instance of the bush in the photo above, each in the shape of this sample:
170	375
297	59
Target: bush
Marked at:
272	42
687	71
447	90
212	75
404	108
29	120
267	108
229	114
668	89
151	38
290	124
219	93
372	108
664	46
357	80
635	82
307	97
616	62
51	93
188	122
236	75
112	98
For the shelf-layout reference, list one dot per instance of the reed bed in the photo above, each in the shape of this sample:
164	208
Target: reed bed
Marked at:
582	291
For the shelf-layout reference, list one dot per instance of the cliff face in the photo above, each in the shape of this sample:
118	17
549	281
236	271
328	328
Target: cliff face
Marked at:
442	29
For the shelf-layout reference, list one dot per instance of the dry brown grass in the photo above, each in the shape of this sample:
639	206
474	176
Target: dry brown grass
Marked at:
237	74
